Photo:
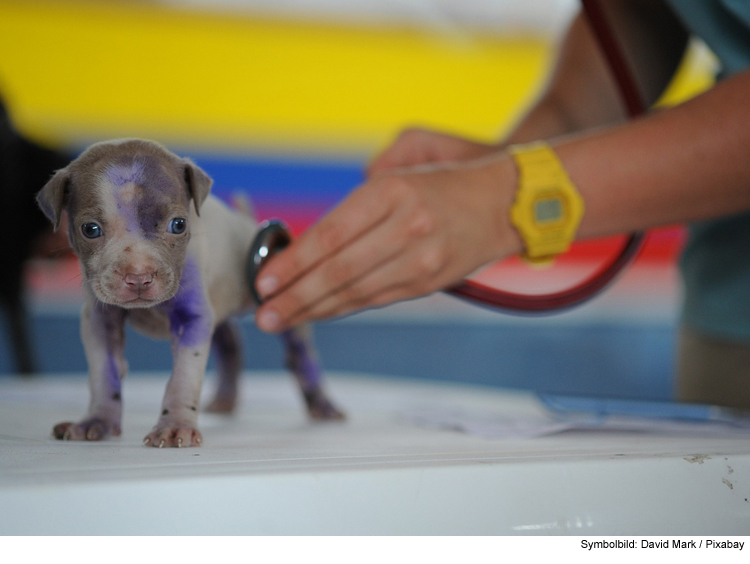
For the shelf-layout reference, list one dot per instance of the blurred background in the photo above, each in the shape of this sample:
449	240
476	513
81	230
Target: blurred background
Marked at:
286	101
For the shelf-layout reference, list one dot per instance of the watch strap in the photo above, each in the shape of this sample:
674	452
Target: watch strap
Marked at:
548	208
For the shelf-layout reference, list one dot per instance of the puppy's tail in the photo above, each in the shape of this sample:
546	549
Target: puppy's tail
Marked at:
241	202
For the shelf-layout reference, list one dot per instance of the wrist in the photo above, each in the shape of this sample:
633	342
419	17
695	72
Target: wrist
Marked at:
500	177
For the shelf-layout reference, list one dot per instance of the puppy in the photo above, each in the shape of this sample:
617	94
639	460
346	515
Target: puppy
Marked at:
158	251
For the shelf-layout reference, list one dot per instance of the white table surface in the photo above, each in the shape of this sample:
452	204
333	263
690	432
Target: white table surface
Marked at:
268	470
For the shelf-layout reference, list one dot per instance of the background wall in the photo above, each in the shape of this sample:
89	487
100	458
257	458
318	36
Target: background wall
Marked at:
286	101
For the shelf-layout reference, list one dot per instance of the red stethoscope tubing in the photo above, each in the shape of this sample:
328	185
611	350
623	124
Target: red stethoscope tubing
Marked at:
590	287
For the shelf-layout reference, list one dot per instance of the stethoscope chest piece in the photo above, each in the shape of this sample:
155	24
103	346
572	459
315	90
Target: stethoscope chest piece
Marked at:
272	236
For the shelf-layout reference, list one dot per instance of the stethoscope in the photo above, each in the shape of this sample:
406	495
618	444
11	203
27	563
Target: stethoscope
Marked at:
273	235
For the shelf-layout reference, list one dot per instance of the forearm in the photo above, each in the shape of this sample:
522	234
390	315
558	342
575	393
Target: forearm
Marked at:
579	94
414	231
684	164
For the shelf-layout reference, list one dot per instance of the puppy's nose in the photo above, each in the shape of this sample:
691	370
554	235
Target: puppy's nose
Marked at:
139	281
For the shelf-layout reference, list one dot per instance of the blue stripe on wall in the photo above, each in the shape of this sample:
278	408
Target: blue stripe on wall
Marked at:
275	179
599	359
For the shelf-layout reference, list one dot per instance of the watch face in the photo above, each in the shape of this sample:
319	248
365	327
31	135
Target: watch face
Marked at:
548	210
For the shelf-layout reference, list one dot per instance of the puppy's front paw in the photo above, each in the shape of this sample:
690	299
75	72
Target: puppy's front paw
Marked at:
91	429
177	435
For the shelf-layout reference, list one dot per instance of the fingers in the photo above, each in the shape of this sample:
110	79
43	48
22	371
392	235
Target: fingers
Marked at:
335	274
409	148
416	146
408	275
361	212
397	237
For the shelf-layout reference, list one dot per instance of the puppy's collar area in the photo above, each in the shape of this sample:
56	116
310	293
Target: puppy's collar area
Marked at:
273	236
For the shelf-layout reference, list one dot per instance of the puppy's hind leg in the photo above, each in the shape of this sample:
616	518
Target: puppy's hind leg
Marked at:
302	360
227	347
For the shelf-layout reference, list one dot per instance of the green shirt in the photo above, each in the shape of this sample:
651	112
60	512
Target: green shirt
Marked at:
715	263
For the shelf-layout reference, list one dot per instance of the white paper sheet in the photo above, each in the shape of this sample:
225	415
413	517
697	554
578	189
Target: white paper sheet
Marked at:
496	425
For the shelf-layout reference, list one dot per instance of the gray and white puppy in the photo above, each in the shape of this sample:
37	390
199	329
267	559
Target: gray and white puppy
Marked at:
174	271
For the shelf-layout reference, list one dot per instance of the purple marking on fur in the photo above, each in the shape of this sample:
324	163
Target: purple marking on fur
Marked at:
301	360
146	213
112	373
189	314
151	211
121	174
127	212
110	317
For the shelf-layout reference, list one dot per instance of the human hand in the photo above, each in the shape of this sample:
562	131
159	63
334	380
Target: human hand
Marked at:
417	146
398	236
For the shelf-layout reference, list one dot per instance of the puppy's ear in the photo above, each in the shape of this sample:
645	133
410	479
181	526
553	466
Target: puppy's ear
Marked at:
198	183
53	198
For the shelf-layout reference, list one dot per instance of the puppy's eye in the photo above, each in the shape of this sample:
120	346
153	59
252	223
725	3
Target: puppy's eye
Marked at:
91	230
177	225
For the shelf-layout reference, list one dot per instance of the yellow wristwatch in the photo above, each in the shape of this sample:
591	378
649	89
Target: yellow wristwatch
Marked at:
548	208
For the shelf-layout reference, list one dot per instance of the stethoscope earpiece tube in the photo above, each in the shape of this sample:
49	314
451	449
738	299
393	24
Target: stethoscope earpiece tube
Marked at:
550	303
272	236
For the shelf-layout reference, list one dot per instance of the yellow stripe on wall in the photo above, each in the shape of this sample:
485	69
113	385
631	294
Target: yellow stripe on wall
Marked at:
77	71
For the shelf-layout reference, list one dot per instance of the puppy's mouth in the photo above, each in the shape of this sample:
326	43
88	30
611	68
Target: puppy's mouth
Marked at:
140	302
128	298
116	291
131	301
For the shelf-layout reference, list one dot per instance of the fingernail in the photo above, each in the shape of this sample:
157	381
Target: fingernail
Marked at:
268	320
267	285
